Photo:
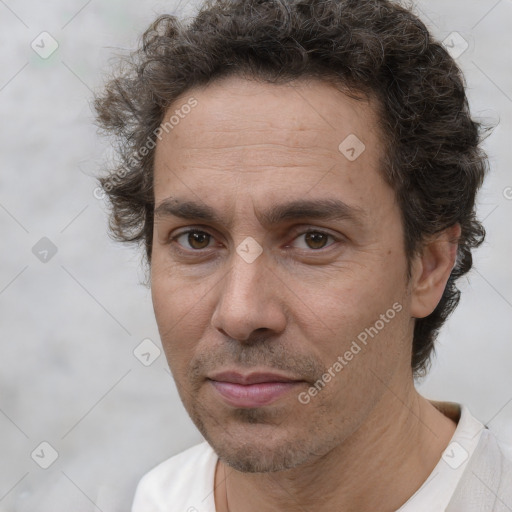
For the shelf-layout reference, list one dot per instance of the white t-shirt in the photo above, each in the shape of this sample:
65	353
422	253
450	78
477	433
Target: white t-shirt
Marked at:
438	488
185	482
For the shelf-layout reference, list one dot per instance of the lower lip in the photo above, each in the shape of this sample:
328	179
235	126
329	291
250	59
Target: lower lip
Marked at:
253	395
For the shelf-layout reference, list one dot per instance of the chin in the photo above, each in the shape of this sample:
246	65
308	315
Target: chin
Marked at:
259	448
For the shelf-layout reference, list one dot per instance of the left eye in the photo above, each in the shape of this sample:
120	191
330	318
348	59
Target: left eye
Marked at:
314	239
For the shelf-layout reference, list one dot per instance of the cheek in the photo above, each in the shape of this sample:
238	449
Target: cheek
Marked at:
178	309
175	294
347	307
360	349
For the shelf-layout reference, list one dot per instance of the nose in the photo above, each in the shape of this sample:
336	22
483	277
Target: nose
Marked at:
249	300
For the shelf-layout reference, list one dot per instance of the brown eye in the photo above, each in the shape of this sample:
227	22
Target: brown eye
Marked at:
198	239
195	239
316	240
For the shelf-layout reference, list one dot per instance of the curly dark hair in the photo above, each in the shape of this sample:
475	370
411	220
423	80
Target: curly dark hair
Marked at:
371	48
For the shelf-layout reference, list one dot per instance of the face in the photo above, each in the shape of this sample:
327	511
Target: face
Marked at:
276	250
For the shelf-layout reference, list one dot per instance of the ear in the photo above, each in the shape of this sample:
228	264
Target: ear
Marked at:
431	270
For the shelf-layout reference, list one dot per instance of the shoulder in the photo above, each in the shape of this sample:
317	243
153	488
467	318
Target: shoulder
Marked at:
487	480
184	482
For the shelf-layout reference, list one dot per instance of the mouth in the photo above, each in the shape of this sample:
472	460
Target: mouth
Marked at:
252	390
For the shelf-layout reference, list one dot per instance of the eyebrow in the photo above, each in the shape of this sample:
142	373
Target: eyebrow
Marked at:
328	209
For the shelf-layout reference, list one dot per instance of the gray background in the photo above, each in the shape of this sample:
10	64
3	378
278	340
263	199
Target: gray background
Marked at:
69	326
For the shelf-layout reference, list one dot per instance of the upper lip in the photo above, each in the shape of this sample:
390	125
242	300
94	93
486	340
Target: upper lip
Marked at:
251	378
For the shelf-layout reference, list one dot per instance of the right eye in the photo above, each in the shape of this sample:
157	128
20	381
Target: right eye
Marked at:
196	239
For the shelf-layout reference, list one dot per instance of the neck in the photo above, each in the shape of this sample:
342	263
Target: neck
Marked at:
378	468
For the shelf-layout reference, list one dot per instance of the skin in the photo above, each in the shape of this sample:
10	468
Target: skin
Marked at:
367	441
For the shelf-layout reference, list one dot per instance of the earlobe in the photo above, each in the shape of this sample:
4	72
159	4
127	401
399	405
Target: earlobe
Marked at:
431	270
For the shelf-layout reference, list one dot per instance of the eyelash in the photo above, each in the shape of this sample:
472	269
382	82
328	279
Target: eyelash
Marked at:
198	251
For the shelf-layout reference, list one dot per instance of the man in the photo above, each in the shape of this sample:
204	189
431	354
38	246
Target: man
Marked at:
303	176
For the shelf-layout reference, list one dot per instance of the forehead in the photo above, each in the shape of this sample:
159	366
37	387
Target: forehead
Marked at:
302	112
276	139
